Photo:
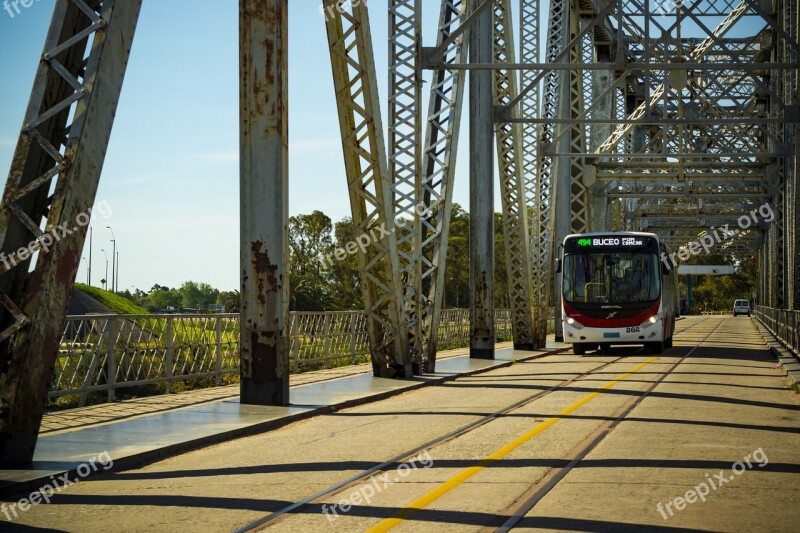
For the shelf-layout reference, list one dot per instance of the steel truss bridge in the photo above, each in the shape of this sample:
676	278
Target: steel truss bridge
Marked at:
675	117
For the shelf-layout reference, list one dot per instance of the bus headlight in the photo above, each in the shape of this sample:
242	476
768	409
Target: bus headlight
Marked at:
574	323
649	322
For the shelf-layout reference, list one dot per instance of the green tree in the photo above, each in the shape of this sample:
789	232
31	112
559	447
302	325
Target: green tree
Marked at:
208	294
345	279
717	292
501	296
229	299
309	242
162	299
456	284
190	295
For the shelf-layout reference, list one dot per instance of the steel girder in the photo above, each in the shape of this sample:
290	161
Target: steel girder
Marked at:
369	185
579	169
62	148
439	164
481	187
405	165
553	91
537	193
512	186
791	23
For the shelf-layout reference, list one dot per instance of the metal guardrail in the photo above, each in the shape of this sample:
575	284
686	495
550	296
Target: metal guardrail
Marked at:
110	352
783	324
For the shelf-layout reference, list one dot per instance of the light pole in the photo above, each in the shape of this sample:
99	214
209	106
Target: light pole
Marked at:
113	261
87	270
106	278
89	273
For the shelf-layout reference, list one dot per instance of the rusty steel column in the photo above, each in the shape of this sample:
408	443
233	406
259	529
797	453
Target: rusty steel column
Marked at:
481	190
264	187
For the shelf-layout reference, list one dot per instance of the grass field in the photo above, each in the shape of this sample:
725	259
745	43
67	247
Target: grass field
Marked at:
115	302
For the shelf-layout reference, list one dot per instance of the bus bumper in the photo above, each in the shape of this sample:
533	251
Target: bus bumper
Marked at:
624	335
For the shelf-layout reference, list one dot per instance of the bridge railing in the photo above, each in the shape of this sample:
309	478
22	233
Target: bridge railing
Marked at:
170	353
783	324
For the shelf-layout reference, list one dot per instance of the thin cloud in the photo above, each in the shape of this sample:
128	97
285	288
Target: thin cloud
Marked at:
7	142
307	146
224	157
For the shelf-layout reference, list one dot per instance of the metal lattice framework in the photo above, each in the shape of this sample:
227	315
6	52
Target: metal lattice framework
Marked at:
369	185
536	192
440	150
53	180
512	185
405	161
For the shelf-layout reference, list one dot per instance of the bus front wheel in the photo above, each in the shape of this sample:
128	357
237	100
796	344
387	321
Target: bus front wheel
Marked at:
579	348
655	347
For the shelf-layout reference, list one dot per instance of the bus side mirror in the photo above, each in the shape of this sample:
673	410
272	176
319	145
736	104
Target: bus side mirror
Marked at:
665	270
559	251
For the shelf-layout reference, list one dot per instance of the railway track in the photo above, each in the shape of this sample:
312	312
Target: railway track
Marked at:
317	498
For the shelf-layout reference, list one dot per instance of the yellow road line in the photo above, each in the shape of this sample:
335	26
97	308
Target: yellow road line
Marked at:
467	473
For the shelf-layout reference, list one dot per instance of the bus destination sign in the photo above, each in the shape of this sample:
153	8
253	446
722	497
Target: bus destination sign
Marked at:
611	241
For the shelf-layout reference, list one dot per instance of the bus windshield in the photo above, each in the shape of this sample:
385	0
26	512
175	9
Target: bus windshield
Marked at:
611	278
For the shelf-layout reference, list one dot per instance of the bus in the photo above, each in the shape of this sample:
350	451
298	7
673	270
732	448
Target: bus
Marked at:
617	288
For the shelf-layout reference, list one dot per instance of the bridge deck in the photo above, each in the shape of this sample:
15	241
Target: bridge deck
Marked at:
703	436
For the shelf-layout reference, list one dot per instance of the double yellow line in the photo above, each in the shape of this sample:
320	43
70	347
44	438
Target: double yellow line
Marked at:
489	460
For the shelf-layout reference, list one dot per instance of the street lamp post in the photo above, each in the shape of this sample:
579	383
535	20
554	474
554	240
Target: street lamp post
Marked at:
89	272
105	279
113	261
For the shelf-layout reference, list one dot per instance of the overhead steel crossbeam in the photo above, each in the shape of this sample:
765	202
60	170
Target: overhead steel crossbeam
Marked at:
710	120
369	186
645	109
439	163
61	148
512	187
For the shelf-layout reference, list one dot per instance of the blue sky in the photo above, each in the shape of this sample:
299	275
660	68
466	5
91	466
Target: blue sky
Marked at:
171	175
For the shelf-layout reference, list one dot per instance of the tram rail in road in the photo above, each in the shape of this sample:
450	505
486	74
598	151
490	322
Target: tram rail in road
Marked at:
318	498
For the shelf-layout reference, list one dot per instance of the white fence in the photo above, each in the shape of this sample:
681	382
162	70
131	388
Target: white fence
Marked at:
110	352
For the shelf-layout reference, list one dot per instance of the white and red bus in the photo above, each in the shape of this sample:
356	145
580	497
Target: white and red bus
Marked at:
616	290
